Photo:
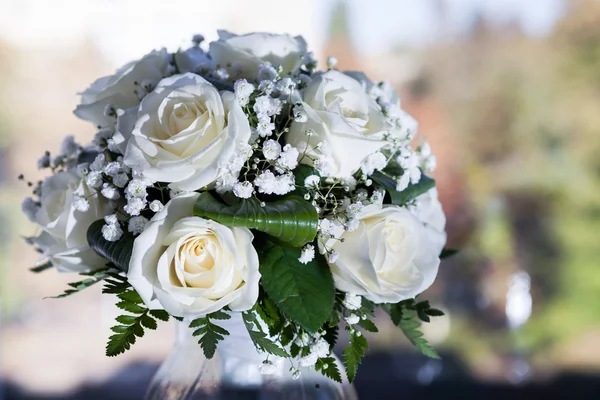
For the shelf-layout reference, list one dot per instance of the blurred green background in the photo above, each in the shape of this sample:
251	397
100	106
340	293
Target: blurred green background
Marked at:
507	92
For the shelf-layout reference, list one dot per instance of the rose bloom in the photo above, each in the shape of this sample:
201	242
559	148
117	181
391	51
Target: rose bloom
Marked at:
186	132
119	90
389	258
245	53
190	266
344	118
64	237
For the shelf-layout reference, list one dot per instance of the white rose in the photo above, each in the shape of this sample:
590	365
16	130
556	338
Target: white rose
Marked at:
191	266
186	132
119	90
428	210
347	124
64	236
242	55
389	258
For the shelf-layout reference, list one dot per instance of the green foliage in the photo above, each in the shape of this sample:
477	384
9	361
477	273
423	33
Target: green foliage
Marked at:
368	325
291	220
260	339
354	353
405	316
210	334
119	252
303	292
328	367
387	179
132	326
42	267
115	283
92	279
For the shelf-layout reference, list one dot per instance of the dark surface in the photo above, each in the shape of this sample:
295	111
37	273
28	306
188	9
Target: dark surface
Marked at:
382	376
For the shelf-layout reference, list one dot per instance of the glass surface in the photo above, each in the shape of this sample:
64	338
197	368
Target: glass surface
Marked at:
234	372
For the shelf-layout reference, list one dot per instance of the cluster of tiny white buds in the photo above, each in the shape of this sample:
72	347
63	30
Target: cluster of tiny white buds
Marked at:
286	86
137	224
352	319
307	254
312	181
266	87
288	158
271	149
80	203
243	90
110	191
268	183
44	161
134	206
112	231
220	73
352	301
374	162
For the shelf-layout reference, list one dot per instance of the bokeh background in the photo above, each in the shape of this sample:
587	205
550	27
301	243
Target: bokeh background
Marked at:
506	91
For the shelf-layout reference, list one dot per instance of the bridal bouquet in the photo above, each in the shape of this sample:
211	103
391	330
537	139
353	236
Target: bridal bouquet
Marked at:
238	178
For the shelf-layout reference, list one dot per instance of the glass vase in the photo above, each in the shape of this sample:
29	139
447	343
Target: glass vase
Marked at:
233	373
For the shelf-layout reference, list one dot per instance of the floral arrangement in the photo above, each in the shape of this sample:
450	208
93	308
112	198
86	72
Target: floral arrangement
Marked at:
240	179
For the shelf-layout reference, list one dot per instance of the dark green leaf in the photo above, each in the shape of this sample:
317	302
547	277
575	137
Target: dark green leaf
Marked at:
127	319
119	252
160	314
434	312
291	220
448	253
328	367
83	284
368	325
148	322
406	320
210	334
130	307
43	267
410	193
303	292
354	353
260	339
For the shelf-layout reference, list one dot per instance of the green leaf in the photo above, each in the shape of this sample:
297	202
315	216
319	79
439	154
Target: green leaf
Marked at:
406	320
328	367
260	339
448	253
291	220
116	284
368	325
97	276
42	267
160	314
303	292
119	252
354	353
388	181
131	326
210	334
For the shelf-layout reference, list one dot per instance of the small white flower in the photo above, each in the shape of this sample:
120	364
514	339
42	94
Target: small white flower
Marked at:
286	86
302	340
299	114
112	168
112	232
137	224
110	192
266	105
236	162
80	203
402	182
221	74
271	149
98	163
120	180
331	62
111	219
243	190
266	182
354	210
267	368
312	181
44	161
320	348
94	179
30	208
243	90
137	188
266	87
333	257
225	183
156	206
308	360
352	225
352	319
289	157
245	150
266	72
352	301
308	254
265	127
374	162
69	147
134	206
